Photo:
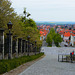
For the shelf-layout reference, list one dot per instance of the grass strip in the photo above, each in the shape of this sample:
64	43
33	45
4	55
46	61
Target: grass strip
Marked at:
7	65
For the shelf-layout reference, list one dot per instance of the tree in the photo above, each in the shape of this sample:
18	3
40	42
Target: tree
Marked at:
22	25
6	12
30	28
26	14
57	39
53	36
52	32
49	39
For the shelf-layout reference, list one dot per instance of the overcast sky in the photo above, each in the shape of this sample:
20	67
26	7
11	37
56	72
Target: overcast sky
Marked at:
47	10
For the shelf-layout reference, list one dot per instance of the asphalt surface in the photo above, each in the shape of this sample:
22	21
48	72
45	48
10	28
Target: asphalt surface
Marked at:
49	65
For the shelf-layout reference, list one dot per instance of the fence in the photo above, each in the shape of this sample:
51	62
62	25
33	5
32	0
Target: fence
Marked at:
11	46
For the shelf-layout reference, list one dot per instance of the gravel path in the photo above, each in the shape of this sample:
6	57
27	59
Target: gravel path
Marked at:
49	65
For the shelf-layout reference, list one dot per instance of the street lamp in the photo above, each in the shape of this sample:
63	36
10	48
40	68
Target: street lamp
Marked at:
35	46
28	38
10	42
9	25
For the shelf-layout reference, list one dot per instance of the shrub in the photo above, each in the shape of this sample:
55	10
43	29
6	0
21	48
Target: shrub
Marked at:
7	65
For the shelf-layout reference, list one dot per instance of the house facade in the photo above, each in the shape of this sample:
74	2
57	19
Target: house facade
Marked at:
67	35
72	41
44	30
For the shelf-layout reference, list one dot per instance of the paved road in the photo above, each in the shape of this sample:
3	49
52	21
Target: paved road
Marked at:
49	65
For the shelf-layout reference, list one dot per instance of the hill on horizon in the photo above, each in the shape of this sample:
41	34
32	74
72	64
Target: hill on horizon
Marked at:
53	23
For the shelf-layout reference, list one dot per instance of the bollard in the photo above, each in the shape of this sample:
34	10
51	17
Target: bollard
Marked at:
2	42
71	57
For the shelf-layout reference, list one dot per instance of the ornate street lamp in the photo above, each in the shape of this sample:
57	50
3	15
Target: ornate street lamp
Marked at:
10	38
28	38
9	25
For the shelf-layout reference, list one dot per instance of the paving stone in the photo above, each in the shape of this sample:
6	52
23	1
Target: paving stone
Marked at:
49	65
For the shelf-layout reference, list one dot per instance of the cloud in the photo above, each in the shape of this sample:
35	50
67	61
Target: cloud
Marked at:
41	9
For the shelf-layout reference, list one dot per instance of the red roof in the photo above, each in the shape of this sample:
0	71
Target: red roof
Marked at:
41	32
61	31
48	27
67	34
73	31
44	34
72	34
68	30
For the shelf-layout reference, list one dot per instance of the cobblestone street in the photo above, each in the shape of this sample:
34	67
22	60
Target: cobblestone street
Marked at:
49	65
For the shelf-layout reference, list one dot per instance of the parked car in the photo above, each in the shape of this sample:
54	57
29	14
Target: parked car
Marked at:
65	44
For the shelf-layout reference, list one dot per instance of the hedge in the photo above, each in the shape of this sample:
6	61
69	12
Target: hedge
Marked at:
7	65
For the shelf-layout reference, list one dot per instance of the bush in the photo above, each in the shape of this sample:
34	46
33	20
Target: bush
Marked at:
7	65
4	67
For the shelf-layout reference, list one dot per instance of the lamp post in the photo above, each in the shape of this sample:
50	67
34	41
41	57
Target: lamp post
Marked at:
10	40
28	38
35	46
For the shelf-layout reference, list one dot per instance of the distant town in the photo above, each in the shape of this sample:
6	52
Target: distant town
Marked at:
66	31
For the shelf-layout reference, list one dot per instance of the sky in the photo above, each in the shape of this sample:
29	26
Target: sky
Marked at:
47	10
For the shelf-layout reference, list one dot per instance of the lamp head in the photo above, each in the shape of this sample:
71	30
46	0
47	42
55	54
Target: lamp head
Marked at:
9	25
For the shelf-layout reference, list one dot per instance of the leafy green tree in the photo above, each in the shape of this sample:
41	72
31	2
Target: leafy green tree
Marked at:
53	36
26	14
57	39
52	32
6	12
22	25
31	23
49	39
30	28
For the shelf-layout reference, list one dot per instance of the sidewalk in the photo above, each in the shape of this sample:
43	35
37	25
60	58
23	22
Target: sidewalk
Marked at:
49	65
